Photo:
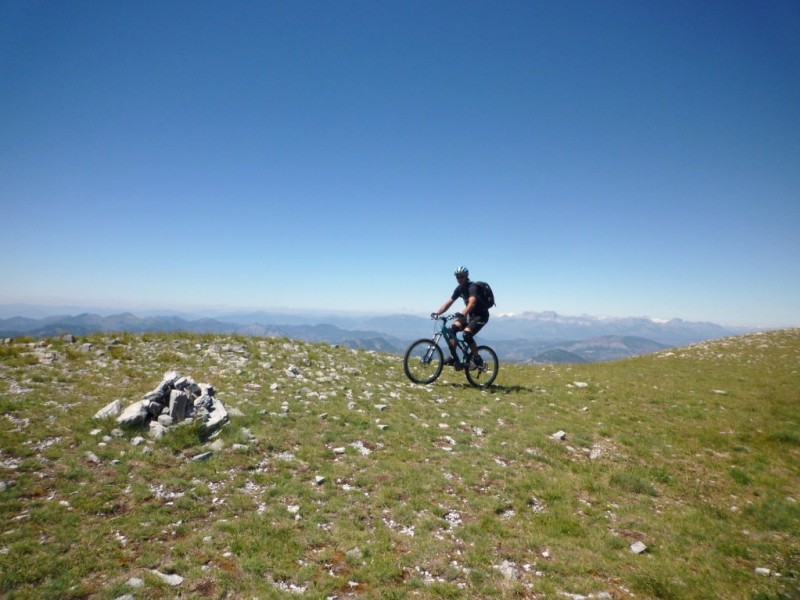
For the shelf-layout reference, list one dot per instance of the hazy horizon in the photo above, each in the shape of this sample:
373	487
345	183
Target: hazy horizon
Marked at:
38	311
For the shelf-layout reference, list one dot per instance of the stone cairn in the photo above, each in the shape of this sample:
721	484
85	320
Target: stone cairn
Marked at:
177	399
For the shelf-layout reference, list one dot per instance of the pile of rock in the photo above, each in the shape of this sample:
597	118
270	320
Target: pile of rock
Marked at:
177	399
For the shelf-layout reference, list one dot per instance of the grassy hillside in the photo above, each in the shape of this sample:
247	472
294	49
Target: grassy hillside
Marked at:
344	480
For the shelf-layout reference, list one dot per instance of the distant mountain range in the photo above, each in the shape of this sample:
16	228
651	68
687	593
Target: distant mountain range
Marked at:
528	337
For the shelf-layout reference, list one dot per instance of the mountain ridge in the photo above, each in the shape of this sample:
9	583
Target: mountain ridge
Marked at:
529	337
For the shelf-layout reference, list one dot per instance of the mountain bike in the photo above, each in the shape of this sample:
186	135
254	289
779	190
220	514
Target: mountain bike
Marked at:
424	359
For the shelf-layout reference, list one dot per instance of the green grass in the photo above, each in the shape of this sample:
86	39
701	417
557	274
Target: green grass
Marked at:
695	452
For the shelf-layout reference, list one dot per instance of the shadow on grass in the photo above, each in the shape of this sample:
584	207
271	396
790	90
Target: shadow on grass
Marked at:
502	389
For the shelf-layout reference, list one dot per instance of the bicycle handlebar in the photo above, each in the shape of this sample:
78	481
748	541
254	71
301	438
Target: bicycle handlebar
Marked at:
445	318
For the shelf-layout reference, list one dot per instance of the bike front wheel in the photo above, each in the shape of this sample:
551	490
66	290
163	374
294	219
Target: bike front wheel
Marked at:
484	375
423	361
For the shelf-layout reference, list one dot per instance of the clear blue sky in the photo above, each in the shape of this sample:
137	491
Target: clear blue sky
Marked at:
612	158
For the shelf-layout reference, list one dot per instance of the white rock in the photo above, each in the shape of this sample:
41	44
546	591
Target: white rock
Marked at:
157	430
638	548
219	416
509	570
559	435
135	414
173	580
109	411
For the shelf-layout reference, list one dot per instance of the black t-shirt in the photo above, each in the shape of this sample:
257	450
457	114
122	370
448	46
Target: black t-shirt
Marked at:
464	291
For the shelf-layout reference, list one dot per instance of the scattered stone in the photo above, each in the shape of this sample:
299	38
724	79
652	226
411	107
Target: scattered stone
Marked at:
638	548
173	580
156	430
234	412
135	582
135	414
319	480
559	435
203	456
537	505
508	570
580	384
218	417
114	409
355	555
763	571
92	457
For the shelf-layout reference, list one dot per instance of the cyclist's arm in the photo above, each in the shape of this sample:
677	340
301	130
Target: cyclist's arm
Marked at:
445	306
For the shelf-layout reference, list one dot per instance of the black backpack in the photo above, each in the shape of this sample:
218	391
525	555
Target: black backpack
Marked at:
485	293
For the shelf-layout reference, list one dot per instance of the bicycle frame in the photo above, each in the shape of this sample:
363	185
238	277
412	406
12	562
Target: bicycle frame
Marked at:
444	332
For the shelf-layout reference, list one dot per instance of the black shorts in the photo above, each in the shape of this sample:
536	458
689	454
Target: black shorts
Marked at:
473	321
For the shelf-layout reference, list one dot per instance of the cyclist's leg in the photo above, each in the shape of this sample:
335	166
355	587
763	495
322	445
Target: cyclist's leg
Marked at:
469	337
475	324
458	325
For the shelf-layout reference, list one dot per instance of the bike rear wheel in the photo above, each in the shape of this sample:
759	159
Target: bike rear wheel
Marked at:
423	361
484	375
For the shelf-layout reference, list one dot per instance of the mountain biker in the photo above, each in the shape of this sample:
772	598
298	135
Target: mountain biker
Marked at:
471	321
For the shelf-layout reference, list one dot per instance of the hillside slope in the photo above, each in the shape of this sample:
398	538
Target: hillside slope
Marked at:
336	477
